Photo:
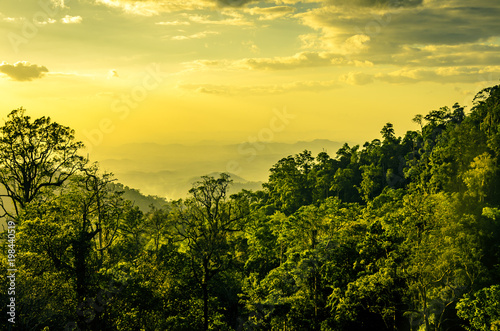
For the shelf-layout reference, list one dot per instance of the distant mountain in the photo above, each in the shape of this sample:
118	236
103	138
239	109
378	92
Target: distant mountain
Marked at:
169	170
144	202
176	185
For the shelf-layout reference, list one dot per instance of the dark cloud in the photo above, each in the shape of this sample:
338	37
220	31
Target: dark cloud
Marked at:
417	75
450	26
23	71
394	33
377	3
233	3
455	55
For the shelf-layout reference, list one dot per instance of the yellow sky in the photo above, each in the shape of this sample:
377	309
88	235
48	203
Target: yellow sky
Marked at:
120	71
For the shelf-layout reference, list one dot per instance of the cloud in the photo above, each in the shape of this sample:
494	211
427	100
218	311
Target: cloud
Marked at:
58	3
356	43
71	19
441	75
233	8
155	7
235	19
271	13
12	19
377	3
198	35
293	2
173	23
231	90
299	60
251	46
441	55
203	63
356	78
141	8
311	41
234	3
113	74
432	23
23	71
431	33
48	21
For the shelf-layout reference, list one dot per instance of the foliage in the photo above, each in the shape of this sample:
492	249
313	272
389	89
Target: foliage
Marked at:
482	309
34	155
399	234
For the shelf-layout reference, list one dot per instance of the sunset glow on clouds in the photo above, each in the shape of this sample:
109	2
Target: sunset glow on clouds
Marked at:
344	68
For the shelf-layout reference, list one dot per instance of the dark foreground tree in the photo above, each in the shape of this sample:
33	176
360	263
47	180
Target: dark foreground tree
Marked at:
65	241
205	222
34	155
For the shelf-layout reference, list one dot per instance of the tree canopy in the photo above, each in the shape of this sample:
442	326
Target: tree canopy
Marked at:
402	233
34	155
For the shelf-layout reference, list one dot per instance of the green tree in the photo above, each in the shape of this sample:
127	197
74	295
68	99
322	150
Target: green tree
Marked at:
323	172
68	237
480	174
159	227
205	222
370	297
34	156
443	257
486	111
481	309
371	184
290	184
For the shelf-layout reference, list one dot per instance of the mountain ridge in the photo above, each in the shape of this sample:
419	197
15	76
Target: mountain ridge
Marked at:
168	170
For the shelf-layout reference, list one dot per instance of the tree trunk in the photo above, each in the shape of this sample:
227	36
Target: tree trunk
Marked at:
205	305
426	317
81	280
204	287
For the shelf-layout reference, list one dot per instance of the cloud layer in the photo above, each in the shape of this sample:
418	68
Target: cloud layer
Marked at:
385	39
302	86
23	71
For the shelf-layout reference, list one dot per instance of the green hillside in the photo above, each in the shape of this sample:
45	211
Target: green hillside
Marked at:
402	233
144	202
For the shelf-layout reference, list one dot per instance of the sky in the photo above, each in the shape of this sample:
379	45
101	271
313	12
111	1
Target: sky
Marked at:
235	71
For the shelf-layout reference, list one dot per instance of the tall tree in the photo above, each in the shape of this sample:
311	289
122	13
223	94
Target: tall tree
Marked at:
68	238
34	155
290	185
204	222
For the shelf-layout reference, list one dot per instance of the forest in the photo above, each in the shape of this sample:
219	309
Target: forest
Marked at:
402	233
